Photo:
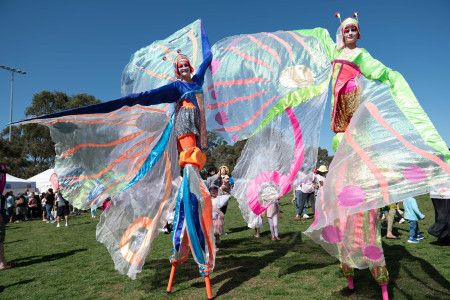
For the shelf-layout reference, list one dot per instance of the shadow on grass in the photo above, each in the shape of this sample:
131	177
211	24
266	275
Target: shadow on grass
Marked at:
3	287
31	260
12	242
422	275
238	261
237	229
419	279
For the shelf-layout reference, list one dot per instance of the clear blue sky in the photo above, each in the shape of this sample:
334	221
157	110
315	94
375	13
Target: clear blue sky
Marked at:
78	46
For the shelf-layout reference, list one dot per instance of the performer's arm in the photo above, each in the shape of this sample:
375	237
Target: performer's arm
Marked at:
200	74
207	58
165	94
405	100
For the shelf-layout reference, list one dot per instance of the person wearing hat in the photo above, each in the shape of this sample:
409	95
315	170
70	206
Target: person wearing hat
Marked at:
320	175
320	180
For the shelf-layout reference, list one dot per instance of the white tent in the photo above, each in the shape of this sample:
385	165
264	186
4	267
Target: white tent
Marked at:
19	185
42	180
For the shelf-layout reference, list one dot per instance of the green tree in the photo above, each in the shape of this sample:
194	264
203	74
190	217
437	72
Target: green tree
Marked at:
323	158
220	153
33	141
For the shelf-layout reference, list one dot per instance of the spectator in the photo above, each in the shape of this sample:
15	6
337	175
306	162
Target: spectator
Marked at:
272	216
21	209
10	206
390	215
94	210
62	209
304	192
399	214
49	202
32	205
218	215
255	222
320	180
212	171
224	185
43	200
413	215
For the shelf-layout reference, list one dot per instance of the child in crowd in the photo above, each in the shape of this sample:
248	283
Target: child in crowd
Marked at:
272	216
168	228
218	215
412	214
93	211
256	223
225	188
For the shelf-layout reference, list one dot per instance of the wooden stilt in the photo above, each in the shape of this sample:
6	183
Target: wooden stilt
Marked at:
208	287
172	275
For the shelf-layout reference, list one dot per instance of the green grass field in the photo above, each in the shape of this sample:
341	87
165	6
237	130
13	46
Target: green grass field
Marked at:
68	263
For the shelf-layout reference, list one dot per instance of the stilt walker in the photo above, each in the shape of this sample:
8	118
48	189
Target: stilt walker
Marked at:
140	136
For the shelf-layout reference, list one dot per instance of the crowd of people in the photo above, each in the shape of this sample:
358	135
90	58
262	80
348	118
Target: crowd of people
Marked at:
48	206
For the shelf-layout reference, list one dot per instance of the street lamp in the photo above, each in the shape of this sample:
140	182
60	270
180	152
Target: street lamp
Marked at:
12	70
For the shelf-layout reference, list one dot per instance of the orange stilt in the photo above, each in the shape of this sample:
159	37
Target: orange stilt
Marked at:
208	287
172	275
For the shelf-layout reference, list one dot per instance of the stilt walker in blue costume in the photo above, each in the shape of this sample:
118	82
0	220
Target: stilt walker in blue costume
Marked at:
139	135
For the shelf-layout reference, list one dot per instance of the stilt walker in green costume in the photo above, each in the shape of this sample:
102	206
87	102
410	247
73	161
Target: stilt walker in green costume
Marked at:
361	180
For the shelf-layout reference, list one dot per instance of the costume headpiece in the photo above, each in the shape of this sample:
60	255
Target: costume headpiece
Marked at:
344	24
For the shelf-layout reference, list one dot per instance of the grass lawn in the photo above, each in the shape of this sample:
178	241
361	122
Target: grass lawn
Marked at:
68	263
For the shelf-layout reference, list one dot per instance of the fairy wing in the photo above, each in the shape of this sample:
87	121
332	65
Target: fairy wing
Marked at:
153	66
126	151
255	77
382	159
134	219
269	88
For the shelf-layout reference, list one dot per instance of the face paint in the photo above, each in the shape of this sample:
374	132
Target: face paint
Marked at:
350	35
184	68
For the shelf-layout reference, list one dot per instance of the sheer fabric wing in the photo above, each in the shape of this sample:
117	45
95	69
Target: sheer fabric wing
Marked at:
255	77
132	222
98	154
382	159
129	154
273	158
270	88
152	66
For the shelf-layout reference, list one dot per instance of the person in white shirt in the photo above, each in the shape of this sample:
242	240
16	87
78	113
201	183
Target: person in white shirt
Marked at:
304	191
320	180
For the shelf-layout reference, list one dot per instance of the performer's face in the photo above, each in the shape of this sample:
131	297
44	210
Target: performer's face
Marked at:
184	68
350	35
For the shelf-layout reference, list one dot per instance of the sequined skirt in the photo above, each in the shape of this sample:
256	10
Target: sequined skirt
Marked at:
187	121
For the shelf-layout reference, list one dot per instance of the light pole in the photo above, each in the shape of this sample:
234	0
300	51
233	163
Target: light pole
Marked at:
12	70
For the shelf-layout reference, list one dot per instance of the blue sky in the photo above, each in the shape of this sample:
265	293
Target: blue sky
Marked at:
78	46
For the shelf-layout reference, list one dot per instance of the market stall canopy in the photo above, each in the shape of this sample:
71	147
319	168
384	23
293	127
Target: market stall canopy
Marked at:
42	180
19	185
